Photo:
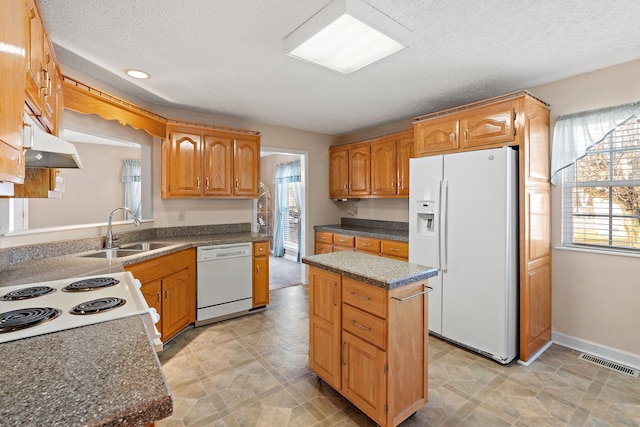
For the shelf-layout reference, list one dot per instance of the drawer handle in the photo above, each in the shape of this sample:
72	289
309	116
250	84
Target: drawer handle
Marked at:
360	296
343	240
426	291
395	250
366	245
358	325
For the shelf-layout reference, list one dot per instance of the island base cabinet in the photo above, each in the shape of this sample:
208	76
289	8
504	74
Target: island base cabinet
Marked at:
325	326
370	344
364	378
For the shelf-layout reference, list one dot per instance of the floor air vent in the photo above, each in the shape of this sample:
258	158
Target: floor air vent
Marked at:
611	365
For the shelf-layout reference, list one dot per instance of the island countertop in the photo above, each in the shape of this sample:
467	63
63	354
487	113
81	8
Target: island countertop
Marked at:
375	270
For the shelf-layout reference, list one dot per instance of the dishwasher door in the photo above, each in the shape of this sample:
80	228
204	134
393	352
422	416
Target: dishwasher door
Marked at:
225	281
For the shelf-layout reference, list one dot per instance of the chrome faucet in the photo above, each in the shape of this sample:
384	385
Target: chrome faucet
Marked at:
109	241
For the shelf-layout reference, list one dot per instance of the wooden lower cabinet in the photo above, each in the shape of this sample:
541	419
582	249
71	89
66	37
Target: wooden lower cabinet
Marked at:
260	274
169	285
333	242
370	344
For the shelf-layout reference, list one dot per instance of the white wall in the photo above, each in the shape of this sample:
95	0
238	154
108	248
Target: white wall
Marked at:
596	296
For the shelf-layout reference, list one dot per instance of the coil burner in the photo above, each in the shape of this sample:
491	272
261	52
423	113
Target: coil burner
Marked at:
97	305
90	284
27	293
26	317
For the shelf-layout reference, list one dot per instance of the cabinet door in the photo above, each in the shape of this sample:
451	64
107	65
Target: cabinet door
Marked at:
35	62
218	165
323	248
177	304
260	274
404	151
12	90
359	170
383	168
246	166
184	165
49	90
152	293
338	172
363	377
436	136
488	126
325	302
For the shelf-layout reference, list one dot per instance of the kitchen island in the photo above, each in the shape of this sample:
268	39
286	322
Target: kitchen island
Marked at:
368	331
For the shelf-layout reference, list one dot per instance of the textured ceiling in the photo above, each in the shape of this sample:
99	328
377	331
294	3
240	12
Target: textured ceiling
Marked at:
226	56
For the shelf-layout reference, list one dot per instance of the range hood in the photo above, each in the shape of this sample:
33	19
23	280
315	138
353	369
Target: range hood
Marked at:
43	150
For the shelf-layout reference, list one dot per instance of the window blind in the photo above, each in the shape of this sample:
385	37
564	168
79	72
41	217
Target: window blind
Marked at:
601	193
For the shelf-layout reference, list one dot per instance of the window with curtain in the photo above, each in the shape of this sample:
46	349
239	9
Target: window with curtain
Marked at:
131	173
601	188
287	207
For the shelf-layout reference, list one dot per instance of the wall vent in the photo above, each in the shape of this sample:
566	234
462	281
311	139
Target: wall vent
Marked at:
608	364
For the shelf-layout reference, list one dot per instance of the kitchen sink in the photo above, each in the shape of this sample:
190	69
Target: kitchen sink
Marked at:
145	246
113	253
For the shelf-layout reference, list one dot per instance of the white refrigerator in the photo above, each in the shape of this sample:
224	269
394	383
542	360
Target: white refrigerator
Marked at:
463	220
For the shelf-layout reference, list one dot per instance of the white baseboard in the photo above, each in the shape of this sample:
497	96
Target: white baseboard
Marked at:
613	354
535	356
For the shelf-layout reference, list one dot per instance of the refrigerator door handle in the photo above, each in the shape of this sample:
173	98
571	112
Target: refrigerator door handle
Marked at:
444	224
439	249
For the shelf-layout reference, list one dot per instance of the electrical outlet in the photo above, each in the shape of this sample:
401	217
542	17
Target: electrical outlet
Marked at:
180	215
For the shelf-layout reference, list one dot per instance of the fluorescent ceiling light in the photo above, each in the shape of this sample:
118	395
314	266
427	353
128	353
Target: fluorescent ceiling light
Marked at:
137	74
347	35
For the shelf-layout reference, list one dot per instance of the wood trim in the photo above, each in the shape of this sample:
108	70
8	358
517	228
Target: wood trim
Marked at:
86	99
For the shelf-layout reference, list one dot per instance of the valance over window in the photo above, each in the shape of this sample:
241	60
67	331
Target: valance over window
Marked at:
574	133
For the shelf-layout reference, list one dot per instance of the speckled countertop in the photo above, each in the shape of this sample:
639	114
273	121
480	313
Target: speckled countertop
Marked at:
75	265
376	229
372	269
105	374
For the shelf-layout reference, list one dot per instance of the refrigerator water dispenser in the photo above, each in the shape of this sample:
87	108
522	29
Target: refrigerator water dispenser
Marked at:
425	210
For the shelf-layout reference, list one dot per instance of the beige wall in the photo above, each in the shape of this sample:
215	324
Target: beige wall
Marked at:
595	295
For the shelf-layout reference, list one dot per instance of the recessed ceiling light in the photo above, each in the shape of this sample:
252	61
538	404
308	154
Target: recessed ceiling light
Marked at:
137	74
347	35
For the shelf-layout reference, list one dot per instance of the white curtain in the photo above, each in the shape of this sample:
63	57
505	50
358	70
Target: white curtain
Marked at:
131	172
574	133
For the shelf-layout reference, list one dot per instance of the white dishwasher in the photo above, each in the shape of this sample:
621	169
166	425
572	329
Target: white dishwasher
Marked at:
224	284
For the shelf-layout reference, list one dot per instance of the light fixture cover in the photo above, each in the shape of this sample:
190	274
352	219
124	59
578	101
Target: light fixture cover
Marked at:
137	74
347	35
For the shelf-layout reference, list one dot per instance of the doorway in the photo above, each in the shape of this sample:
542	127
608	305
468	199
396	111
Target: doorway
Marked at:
284	270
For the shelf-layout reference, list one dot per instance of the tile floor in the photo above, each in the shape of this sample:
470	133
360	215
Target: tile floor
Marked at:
252	371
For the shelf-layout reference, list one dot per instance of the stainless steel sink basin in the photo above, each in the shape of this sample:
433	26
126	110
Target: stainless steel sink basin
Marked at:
146	246
113	253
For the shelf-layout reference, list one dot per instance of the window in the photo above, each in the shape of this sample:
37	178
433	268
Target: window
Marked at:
601	193
291	219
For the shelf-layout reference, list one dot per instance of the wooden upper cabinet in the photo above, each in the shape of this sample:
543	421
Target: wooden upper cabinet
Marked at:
218	172
384	168
338	172
200	162
36	77
488	126
184	169
12	91
436	136
359	170
50	91
404	151
376	168
246	167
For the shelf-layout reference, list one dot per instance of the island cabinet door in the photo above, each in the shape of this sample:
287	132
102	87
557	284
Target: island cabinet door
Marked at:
364	380
325	301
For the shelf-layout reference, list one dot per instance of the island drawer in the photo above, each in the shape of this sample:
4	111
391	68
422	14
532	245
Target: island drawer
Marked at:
364	325
369	298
